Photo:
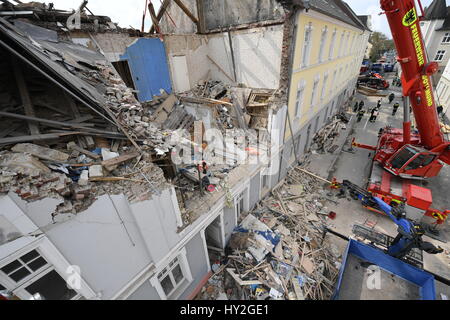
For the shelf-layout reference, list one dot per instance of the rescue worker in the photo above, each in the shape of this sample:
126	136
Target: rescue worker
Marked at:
396	106
361	105
374	115
391	97
409	234
360	115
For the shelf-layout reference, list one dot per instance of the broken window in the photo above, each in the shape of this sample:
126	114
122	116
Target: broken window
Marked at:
307	45
171	277
440	55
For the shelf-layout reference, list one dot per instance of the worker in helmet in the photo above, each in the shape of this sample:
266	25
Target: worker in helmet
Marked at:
391	97
396	106
409	233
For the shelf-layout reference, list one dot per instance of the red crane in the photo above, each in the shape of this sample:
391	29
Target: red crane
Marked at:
412	155
405	155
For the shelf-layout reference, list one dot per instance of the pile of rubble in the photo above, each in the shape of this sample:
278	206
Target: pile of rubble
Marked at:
323	141
278	251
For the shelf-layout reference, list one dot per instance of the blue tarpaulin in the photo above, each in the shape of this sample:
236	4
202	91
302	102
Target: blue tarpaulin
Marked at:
148	65
422	279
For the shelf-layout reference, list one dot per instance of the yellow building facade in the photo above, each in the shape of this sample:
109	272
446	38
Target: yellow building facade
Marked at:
327	57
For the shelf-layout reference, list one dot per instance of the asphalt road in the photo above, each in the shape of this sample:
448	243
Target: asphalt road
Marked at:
356	168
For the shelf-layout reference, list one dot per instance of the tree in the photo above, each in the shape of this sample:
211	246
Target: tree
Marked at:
381	44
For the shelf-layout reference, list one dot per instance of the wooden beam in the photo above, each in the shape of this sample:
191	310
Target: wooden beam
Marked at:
186	11
25	96
56	124
38	137
161	12
201	27
155	20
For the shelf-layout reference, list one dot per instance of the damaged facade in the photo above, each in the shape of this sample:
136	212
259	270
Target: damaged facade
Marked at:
90	128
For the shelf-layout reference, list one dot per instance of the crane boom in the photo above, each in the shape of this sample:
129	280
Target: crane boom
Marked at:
406	32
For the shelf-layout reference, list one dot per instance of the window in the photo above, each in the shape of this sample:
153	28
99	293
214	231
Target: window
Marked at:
347	42
324	86
25	266
31	274
265	181
446	38
403	157
333	84
341	43
171	277
422	160
440	55
322	43
299	98
307	45
314	91
332	45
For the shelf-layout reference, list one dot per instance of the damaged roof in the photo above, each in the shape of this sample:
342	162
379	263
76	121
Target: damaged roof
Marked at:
59	62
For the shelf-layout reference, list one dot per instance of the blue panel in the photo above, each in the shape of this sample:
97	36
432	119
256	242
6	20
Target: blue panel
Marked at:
401	269
148	65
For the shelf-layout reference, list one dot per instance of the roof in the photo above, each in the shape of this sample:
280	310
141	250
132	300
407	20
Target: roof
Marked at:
365	20
337	9
436	10
446	24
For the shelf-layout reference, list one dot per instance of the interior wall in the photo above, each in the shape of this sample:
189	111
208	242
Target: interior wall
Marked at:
257	55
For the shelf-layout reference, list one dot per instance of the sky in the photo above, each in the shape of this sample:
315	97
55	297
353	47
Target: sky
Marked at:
129	12
372	7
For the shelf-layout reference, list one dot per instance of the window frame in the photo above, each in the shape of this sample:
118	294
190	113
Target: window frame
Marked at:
446	38
324	84
332	45
307	45
441	54
185	269
323	40
315	90
299	100
19	288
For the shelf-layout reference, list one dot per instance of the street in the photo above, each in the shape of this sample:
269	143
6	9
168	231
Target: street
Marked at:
355	166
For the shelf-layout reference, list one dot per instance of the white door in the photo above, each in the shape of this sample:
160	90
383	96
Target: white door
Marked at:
180	74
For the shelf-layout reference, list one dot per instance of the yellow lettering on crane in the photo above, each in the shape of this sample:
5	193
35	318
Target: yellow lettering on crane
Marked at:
417	45
428	93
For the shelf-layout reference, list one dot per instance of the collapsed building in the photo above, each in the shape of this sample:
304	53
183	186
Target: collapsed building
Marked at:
108	169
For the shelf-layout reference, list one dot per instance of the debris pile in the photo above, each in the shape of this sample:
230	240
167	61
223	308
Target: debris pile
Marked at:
278	251
323	141
445	128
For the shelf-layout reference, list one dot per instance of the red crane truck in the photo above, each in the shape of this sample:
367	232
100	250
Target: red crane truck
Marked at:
401	153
